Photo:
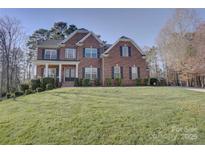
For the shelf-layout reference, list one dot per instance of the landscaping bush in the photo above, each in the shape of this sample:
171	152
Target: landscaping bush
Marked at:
86	82
57	83
28	91
108	81
3	94
154	81
24	87
19	93
48	80
76	82
35	83
162	82
118	82
80	82
138	82
97	82
39	89
8	95
145	82
49	86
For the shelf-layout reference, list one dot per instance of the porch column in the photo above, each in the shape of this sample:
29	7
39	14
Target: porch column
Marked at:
34	71
59	72
76	71
46	71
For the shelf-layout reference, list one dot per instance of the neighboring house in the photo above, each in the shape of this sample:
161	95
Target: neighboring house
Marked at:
84	55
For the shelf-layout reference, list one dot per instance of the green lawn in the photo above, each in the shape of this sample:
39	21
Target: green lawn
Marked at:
135	115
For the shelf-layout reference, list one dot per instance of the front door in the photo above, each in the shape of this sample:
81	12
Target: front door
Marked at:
69	74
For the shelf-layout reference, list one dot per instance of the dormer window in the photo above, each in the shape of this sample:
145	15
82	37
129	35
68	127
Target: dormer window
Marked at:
50	54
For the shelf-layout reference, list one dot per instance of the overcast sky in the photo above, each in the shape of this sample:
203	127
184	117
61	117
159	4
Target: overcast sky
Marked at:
142	25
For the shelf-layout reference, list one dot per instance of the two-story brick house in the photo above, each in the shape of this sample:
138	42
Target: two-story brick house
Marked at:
84	55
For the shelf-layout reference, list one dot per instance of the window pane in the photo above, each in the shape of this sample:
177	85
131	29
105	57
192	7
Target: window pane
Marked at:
91	73
51	72
91	52
50	54
94	52
70	53
134	73
87	52
125	51
117	72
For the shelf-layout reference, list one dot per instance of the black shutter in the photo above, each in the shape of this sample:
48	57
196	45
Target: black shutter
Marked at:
129	51
58	54
130	72
98	52
121	51
43	52
138	72
121	71
83	52
98	73
112	72
83	72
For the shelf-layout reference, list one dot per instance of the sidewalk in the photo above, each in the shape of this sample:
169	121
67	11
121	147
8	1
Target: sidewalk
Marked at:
196	89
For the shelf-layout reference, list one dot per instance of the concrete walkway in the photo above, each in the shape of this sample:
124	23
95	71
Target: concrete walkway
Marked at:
197	89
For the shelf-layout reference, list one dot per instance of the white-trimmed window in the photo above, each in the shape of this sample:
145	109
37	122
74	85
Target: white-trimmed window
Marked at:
117	72
51	72
91	73
134	73
50	54
91	52
70	53
125	51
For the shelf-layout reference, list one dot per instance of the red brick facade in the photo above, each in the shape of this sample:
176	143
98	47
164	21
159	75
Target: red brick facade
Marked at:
114	58
103	63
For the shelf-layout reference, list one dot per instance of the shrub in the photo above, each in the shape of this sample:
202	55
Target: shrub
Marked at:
86	82
118	82
162	82
24	87
39	89
57	83
28	91
76	82
8	95
138	82
145	82
80	82
108	81
47	80
49	86
3	94
97	82
35	83
19	93
153	81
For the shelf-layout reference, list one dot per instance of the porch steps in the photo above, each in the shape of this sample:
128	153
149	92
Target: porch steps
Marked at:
68	84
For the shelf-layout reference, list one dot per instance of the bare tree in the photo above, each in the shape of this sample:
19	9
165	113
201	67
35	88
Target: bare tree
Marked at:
174	41
11	40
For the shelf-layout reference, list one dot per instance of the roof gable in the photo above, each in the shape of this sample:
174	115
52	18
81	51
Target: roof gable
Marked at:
73	34
126	39
87	36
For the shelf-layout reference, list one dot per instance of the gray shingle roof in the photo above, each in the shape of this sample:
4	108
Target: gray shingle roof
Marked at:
49	43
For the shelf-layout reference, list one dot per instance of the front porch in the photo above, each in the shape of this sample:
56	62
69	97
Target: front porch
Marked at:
63	71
